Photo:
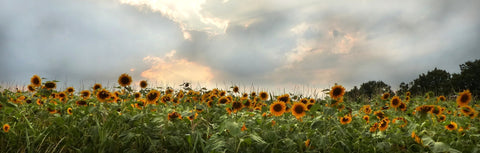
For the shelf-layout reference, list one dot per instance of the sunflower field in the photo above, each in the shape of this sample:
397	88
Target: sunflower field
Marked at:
153	119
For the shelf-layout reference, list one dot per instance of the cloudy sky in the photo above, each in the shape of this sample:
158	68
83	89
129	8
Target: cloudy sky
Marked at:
266	44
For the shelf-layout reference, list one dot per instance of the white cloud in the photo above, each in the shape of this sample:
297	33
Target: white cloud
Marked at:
187	14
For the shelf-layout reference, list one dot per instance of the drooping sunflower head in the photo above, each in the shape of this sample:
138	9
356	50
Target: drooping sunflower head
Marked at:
70	90
366	118
385	96
437	110
31	88
103	95
464	98
223	100
85	94
452	126
124	80
174	115
143	84
97	86
50	85
263	95
337	92
383	125
152	96
36	81
395	102
309	106
403	106
284	98
466	110
298	110
277	108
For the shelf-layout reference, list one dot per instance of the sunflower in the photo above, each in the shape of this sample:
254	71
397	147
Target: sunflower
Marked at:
298	109
166	98
304	100
263	95
309	106
174	115
223	100
50	85
464	98
36	81
124	80
366	118
402	119
103	95
452	126
235	89
31	88
374	127
137	95
307	143
236	106
436	110
380	115
395	102
466	110
62	95
277	108
311	100
408	94
385	96
85	94
193	116
245	95
403	106
337	92
81	103
143	84
6	128
346	119
441	98
39	102
441	118
69	111
97	86
152	96
222	93
284	98
383	125
424	109
244	127
70	90
366	109
417	138
247	103
407	99
169	90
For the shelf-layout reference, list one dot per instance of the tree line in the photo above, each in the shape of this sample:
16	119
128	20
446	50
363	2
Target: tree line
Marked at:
433	83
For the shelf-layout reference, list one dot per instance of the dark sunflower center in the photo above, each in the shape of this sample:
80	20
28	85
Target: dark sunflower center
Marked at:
383	124
82	102
263	95
277	107
143	84
85	94
395	102
152	96
96	87
223	101
125	80
385	96
337	92
304	101
464	98
284	99
345	119
103	95
237	105
299	110
309	106
50	85
466	110
36	81
247	103
137	95
450	126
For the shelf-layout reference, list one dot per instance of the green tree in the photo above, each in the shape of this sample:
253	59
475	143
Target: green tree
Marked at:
373	88
469	77
437	81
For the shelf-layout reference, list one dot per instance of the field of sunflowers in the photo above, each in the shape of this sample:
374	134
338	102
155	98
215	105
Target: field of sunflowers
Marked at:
154	119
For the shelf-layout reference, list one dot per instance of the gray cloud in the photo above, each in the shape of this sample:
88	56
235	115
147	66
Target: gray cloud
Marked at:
269	43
